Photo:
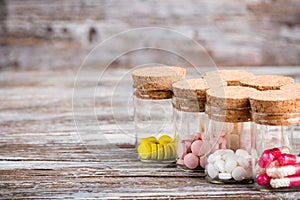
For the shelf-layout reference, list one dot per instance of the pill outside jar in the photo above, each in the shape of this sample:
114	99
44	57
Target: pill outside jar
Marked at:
276	161
153	112
229	137
189	97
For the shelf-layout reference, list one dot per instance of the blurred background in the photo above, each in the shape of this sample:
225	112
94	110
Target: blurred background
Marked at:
38	34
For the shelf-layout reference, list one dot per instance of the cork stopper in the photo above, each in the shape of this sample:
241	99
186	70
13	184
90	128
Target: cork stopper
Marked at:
157	78
229	103
190	95
266	82
229	97
153	94
274	107
231	77
190	89
294	89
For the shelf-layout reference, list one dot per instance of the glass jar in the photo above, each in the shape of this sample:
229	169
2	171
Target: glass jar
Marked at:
229	137
190	123
276	158
153	113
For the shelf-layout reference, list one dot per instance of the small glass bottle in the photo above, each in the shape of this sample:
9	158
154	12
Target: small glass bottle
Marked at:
229	137
153	112
276	158
189	97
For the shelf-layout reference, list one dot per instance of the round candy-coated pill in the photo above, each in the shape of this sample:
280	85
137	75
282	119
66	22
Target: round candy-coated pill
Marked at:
242	152
202	161
167	151
197	136
220	165
225	176
164	139
144	150
196	147
191	161
263	179
211	171
153	151
149	139
239	173
230	165
160	152
212	158
180	161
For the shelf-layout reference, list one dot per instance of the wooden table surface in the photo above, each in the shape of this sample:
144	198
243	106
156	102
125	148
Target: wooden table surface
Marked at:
43	154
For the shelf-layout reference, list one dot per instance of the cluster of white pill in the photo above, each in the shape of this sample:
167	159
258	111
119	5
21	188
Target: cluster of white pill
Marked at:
227	164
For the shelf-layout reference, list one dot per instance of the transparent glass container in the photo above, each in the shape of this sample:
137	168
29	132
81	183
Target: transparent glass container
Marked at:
276	153
190	123
229	142
153	117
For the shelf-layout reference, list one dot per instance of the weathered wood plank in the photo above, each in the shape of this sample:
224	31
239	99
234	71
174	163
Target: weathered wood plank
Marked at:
43	156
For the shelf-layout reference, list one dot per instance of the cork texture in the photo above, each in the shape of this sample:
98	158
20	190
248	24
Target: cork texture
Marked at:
230	97
189	105
231	77
266	82
190	89
157	78
295	91
273	101
153	94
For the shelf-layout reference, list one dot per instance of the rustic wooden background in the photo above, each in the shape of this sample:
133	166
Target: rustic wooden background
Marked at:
42	34
44	153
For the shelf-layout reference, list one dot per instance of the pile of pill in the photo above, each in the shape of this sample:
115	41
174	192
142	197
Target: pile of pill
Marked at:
227	165
190	152
160	149
278	168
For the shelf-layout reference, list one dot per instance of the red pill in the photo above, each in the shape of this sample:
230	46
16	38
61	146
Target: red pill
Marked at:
288	159
270	155
263	179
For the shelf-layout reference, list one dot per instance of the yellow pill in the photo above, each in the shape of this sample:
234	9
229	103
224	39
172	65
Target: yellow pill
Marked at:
153	151
164	139
168	152
174	154
160	152
144	151
149	139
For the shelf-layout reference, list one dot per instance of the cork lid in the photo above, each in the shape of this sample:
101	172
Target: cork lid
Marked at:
232	77
295	88
230	97
189	89
157	78
273	102
266	82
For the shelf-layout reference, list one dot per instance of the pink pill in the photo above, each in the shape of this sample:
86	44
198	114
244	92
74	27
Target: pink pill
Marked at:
263	179
202	161
197	136
191	161
197	147
180	161
181	149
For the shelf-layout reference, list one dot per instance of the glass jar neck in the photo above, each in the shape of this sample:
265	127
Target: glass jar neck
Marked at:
233	115
276	119
153	94
189	104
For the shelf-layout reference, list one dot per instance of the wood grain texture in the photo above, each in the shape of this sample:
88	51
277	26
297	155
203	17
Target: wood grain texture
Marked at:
43	156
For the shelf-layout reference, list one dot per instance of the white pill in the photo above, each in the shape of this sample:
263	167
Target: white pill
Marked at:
213	158
242	161
239	173
228	151
219	152
220	165
230	165
211	171
242	152
228	156
225	176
